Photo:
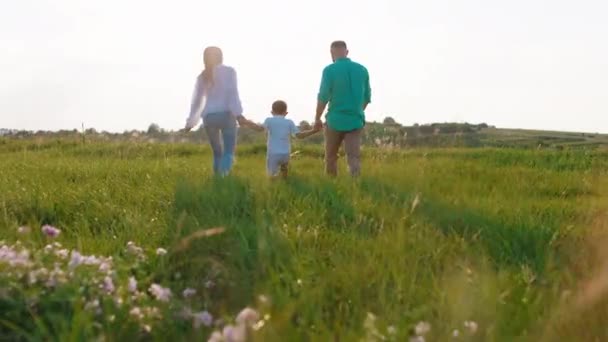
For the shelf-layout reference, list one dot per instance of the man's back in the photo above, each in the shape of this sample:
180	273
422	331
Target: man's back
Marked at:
345	85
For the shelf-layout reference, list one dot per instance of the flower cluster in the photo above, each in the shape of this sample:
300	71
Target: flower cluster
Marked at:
247	321
104	287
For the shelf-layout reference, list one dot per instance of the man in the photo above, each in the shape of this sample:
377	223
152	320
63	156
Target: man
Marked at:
345	87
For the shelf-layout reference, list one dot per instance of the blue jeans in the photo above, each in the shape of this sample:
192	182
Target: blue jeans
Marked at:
221	130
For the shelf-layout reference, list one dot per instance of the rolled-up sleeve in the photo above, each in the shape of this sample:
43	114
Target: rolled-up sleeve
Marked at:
367	98
234	103
326	86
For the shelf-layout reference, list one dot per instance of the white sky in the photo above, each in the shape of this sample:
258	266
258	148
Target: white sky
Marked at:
123	64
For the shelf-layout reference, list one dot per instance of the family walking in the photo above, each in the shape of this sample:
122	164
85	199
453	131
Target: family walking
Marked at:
345	92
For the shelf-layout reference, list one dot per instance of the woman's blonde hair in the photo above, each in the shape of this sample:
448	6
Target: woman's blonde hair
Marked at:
212	56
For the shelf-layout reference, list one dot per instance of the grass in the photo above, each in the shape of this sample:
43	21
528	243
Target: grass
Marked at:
445	236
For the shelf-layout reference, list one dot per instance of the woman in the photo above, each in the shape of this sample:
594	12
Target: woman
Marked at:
217	84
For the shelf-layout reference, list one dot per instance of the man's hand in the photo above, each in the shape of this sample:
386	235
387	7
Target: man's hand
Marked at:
318	125
320	109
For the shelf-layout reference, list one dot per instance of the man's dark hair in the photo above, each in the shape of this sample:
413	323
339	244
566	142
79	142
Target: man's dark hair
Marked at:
279	107
338	44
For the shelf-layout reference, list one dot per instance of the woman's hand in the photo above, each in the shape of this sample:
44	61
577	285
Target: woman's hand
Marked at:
242	120
188	127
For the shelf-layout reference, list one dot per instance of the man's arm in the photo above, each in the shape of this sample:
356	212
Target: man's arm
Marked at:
323	98
320	109
368	91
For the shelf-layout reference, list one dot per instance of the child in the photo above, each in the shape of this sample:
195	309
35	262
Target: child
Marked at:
280	130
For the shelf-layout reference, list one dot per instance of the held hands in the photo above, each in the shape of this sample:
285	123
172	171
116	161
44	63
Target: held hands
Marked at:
318	125
248	123
241	120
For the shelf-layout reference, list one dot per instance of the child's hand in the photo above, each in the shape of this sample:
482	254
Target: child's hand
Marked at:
318	125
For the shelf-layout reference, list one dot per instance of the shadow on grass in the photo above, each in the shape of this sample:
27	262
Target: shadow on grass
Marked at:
325	199
505	242
227	266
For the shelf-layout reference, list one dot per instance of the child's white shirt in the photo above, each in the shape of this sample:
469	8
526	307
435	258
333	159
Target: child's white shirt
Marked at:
280	130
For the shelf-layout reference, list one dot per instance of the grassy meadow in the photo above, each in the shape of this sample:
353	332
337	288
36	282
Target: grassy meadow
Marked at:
507	240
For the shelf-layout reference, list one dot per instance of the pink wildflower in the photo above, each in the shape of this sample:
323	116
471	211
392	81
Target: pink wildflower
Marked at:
235	334
105	267
247	317
160	293
202	318
189	293
132	285
50	231
108	285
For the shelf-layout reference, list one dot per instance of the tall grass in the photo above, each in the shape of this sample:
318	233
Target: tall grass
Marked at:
444	236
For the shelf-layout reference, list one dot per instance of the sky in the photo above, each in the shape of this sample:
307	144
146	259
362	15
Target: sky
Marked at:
117	65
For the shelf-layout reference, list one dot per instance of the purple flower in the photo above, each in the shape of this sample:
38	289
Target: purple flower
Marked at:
189	293
160	293
50	231
108	285
202	318
105	267
235	334
247	316
132	285
75	260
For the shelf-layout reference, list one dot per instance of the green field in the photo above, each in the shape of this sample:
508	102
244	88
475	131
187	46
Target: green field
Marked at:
507	238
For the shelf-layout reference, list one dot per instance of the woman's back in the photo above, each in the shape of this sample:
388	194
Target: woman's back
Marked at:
220	93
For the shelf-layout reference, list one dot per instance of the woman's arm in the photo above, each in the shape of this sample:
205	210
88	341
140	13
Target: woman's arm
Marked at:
195	105
251	124
234	102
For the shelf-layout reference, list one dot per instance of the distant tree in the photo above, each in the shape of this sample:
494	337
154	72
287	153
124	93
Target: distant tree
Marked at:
483	125
90	131
426	129
153	129
304	125
389	121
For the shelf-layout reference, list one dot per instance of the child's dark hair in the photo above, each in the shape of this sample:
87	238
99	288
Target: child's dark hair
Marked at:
279	107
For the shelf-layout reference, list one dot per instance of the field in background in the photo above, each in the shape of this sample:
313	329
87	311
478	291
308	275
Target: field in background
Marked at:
504	238
385	135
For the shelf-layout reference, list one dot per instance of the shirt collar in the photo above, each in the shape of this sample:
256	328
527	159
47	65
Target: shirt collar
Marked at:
343	59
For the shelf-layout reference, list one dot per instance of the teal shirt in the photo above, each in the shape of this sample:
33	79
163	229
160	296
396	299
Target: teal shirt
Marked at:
345	86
